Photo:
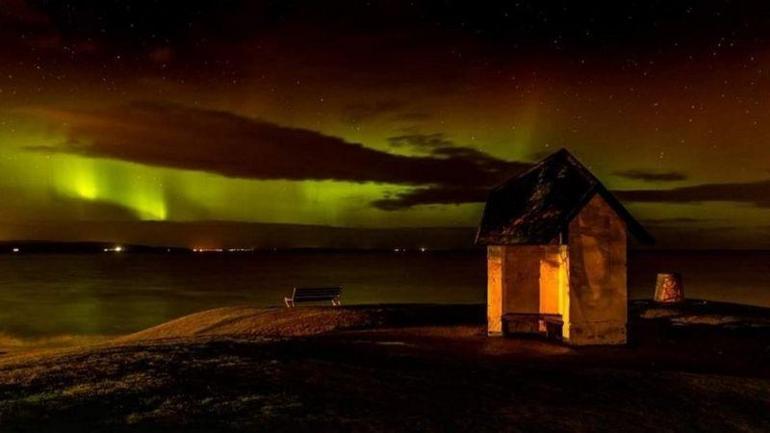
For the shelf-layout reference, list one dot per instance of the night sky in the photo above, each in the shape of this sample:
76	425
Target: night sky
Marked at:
380	114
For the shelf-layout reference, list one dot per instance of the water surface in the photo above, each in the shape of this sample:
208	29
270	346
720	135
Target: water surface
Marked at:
109	294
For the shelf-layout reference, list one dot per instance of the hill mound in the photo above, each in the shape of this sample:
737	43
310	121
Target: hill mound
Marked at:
305	321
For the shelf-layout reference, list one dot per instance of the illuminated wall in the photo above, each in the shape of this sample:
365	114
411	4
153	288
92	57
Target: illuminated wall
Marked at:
528	279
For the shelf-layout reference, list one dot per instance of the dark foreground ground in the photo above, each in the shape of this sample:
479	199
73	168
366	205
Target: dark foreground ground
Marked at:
702	367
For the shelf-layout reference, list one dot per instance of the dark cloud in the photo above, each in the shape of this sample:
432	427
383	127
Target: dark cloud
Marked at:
755	193
411	116
452	195
421	141
357	113
651	176
540	154
220	142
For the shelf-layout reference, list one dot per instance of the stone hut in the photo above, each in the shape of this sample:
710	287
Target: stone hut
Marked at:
556	255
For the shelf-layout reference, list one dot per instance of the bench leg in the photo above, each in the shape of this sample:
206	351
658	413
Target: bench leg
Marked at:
336	302
289	302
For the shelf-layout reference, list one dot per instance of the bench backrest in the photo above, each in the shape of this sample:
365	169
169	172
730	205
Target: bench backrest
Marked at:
316	293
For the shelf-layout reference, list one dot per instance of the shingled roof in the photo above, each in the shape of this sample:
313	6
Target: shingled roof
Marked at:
536	206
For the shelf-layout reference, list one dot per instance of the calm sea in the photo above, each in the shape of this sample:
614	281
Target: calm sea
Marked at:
44	296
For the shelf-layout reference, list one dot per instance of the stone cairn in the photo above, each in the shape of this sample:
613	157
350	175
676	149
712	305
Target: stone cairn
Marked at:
669	288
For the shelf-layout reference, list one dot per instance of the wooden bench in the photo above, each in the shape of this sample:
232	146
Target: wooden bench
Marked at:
548	325
314	294
553	326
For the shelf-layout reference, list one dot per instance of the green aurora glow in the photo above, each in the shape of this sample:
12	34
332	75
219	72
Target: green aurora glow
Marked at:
37	180
673	108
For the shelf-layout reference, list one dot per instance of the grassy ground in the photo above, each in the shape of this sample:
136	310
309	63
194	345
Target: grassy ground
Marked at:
398	368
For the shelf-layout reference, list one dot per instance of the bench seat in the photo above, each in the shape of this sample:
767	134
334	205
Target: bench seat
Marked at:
544	324
314	294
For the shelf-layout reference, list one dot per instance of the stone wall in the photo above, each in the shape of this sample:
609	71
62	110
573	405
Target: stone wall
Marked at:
598	297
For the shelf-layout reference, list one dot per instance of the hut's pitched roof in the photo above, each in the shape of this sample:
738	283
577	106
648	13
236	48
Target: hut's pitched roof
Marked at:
538	205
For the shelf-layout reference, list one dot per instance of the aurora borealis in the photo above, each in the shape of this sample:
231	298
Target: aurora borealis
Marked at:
380	114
